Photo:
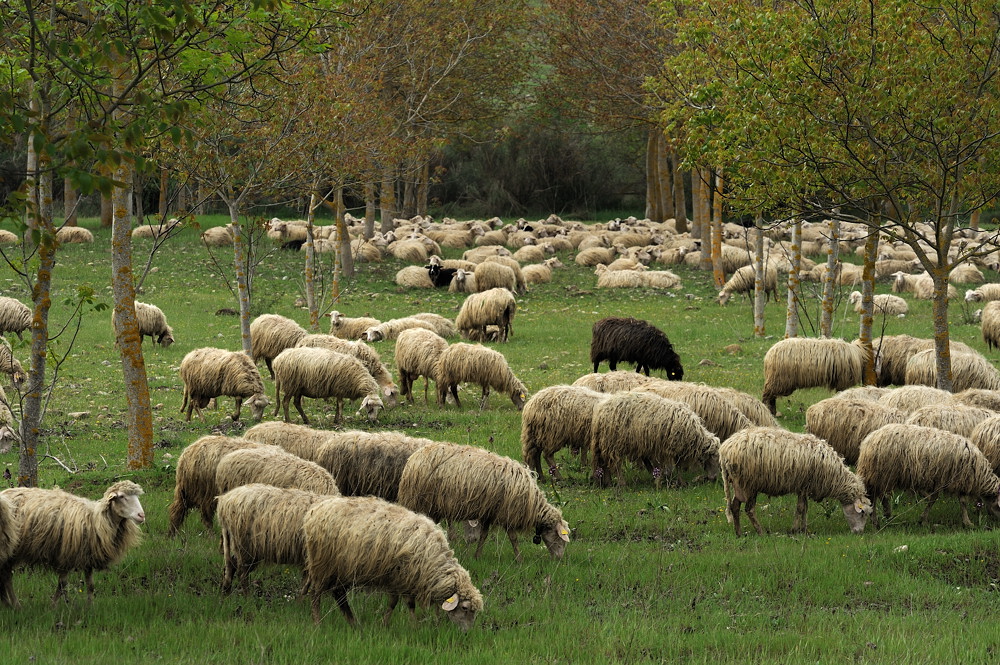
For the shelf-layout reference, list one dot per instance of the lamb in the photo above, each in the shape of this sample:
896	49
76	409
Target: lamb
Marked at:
368	542
481	310
414	277
884	304
717	413
744	281
554	418
209	372
262	524
270	334
350	328
968	370
194	484
634	341
777	462
893	351
10	365
272	466
475	363
928	461
153	323
983	293
990	324
541	273
492	275
663	434
986	437
368	356
952	417
844	422
367	463
74	235
322	374
296	439
15	316
802	362
66	532
389	330
416	354
464	281
450	482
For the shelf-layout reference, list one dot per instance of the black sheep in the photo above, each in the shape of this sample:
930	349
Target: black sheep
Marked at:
440	276
634	341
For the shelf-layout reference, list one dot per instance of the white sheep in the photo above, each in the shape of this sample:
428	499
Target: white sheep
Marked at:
989	324
968	370
74	234
493	275
66	532
350	327
921	286
884	304
10	534
541	273
367	542
10	365
209	372
217	236
983	293
414	277
464	281
480	310
554	418
270	334
300	440
272	466
367	463
416	354
806	362
844	422
775	462
322	374
744	281
389	330
153	323
475	363
450	482
368	356
15	316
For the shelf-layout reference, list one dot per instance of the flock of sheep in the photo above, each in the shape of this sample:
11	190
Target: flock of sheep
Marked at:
362	509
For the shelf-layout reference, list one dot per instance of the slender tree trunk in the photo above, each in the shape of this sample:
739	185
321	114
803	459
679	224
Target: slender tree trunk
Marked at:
343	236
830	279
718	270
654	211
759	287
974	219
697	198
369	210
665	186
868	307
126	326
71	199
423	187
240	264
680	200
387	199
792	312
164	184
107	212
310	280
942	346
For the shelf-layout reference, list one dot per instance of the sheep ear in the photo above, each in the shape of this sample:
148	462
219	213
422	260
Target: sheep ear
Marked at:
386	390
859	506
450	603
564	531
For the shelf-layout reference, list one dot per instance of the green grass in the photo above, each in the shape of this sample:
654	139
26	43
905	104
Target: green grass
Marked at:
650	576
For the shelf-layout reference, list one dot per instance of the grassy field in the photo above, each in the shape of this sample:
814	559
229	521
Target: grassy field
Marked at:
650	575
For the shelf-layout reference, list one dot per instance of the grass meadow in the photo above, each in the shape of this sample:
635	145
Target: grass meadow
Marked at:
649	576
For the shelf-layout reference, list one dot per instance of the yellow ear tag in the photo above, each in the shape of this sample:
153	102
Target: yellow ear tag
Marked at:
450	604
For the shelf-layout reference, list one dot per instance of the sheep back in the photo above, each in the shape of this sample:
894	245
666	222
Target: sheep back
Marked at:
844	422
479	310
272	466
474	363
807	362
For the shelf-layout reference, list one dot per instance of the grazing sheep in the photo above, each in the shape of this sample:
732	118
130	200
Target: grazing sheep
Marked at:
750	406
613	381
717	413
194	484
541	273
554	418
10	534
350	328
776	462
662	434
636	341
910	398
417	353
884	304
389	330
927	461
367	463
474	363
806	362
9	435
492	275
74	235
217	236
744	281
921	286
262	524
270	334
989	322
153	322
984	399
950	416
368	356
968	370
297	439
893	351
15	316
983	293
414	277
451	482
322	374
481	310
870	393
367	542
65	532
209	372
272	466
10	365
986	437
844	422
442	324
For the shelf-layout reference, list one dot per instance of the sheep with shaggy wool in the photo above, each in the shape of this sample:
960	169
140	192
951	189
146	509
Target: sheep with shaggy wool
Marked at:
442	324
983	293
322	374
968	370
194	477
492	275
217	236
368	356
950	416
807	362
389	330
9	435
10	365
209	372
452	482
592	257
662	434
554	418
893	351
272	466
984	399
749	406
541	273
870	393
655	279
153	323
480	254
921	286
718	414
270	334
414	277
844	422
613	381
495	307
10	534
66	532
156	231
632	340
350	327
367	463
475	363
68	235
464	281
986	437
300	440
910	398
15	316
8	238
416	354
261	523
884	304
966	273
367	542
520	285
989	323
744	281
927	461
776	462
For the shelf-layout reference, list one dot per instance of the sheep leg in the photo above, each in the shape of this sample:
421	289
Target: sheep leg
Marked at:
454	393
550	459
340	595
612	364
734	512
925	517
297	400
485	526
339	418
60	589
486	396
267	361
178	511
964	502
427	383
7	595
239	408
751	510
799	524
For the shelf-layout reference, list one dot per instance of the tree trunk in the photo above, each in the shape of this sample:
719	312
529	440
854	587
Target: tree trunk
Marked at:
410	194
759	287
653	197
107	211
161	208
665	186
680	200
423	187
139	420
387	199
867	295
240	264
369	210
718	270
697	198
942	346
310	280
343	236
71	199
830	279
792	312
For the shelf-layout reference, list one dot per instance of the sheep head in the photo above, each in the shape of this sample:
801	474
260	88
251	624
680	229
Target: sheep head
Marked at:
257	404
555	537
518	398
371	405
391	393
857	514
122	499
